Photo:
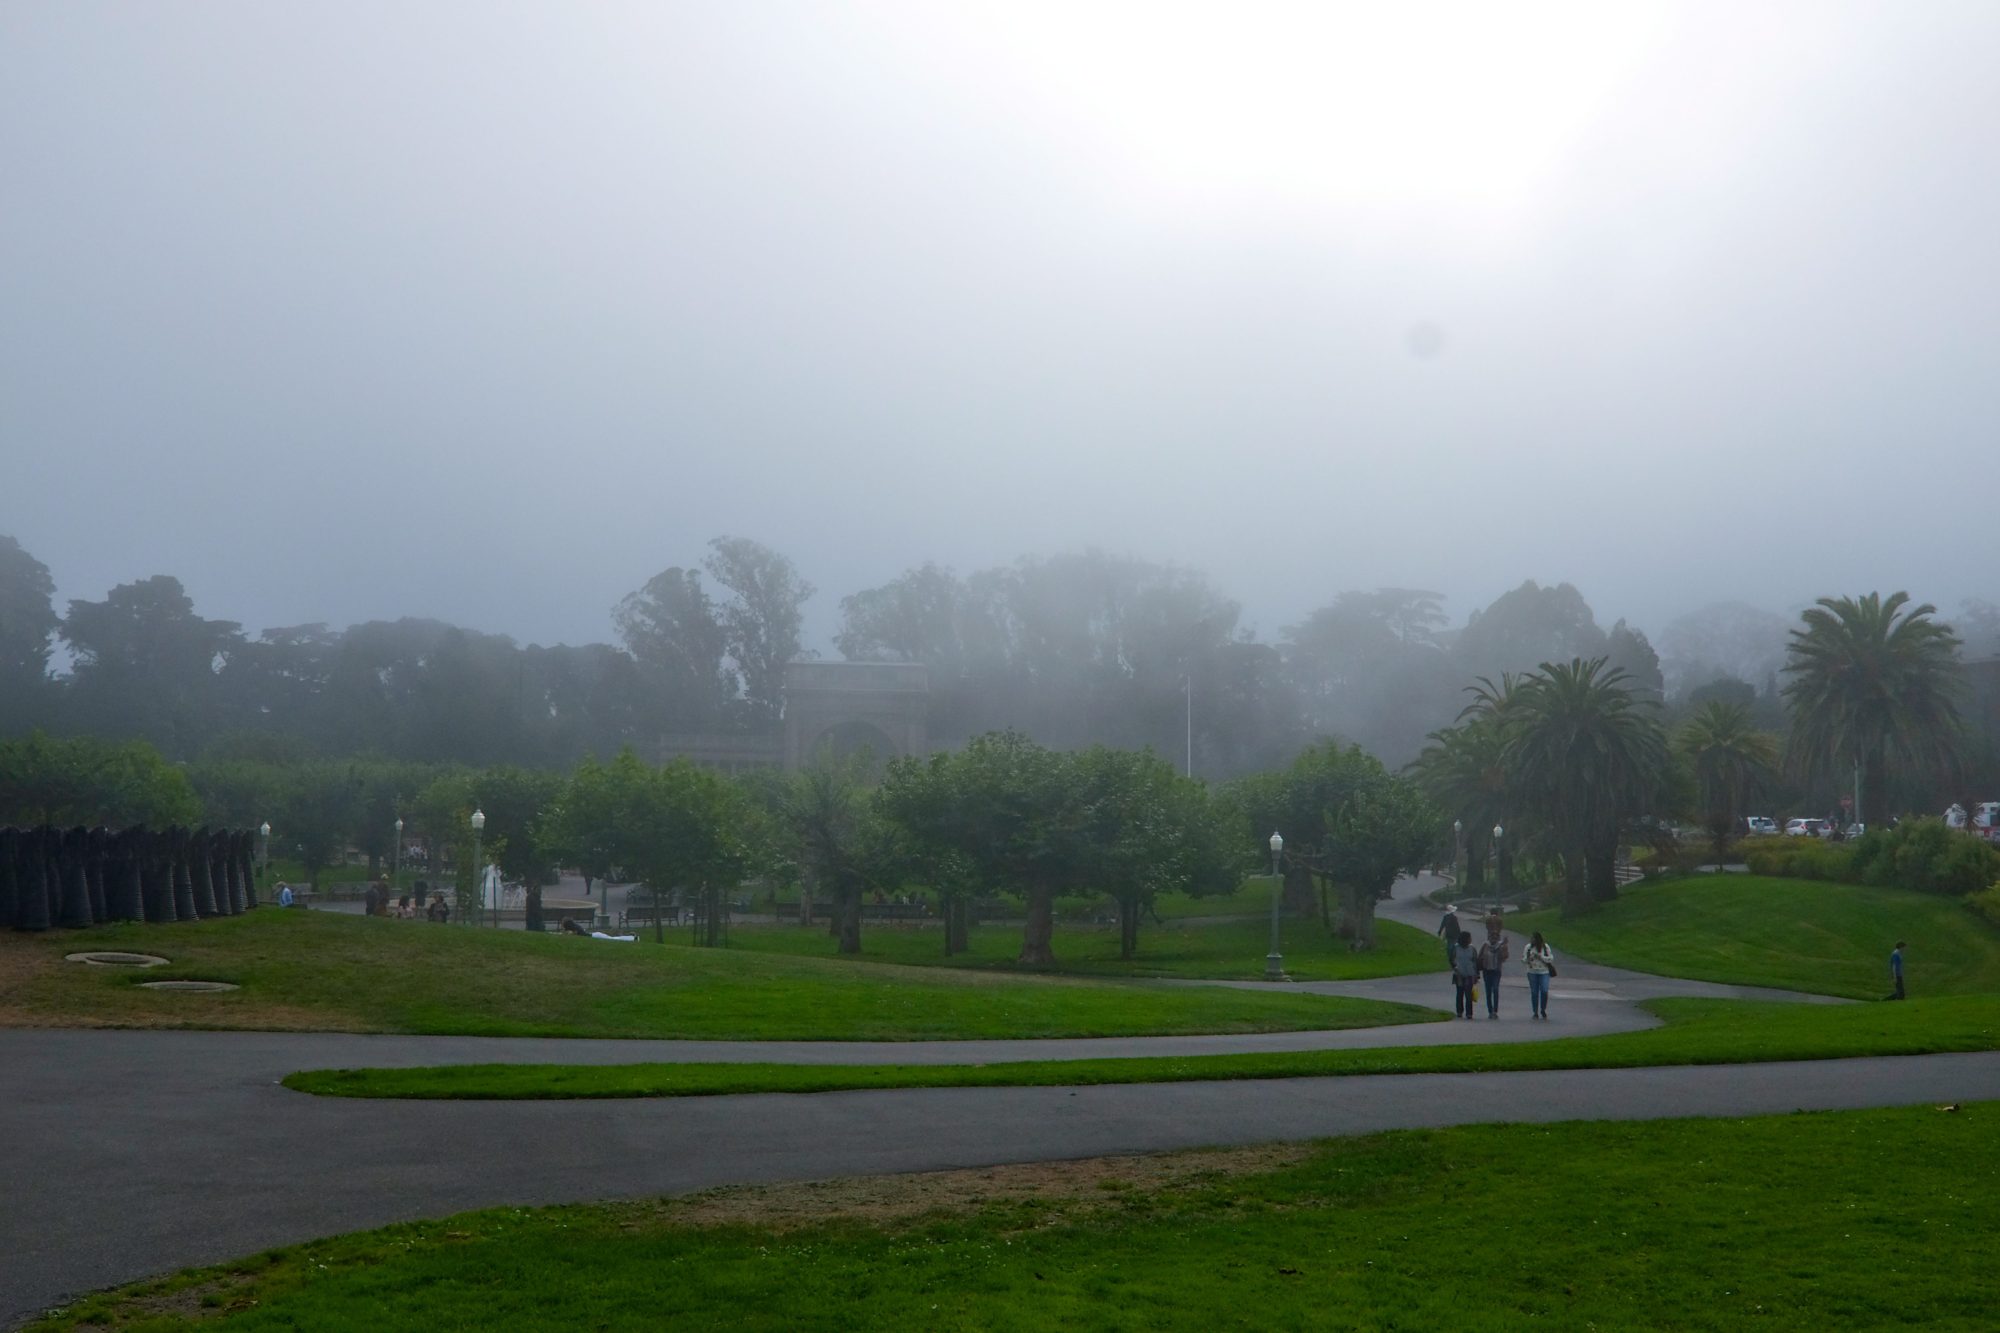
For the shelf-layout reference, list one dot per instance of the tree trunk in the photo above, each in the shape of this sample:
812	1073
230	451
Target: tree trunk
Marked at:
1874	793
957	923
850	922
535	920
1600	868
1475	866
1357	907
1576	887
1128	927
1326	903
1299	893
1037	935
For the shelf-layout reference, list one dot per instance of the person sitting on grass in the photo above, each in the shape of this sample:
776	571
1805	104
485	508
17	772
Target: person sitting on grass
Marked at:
438	911
569	927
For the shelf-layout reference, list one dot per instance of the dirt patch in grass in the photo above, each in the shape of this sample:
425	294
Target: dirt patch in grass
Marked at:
879	1199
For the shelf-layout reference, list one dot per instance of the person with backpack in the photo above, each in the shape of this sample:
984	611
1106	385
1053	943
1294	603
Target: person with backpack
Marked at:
1464	976
1540	961
1492	954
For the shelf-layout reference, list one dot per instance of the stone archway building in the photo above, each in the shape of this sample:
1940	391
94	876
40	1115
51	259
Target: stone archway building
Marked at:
877	706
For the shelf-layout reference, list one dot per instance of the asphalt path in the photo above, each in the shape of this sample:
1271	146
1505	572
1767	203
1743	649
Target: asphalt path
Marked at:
135	1153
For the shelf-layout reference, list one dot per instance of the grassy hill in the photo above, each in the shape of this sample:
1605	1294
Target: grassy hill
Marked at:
1751	930
302	971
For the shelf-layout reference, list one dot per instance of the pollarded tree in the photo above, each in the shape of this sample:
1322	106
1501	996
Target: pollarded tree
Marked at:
840	839
1875	684
1384	827
1589	754
1152	831
1730	761
1008	814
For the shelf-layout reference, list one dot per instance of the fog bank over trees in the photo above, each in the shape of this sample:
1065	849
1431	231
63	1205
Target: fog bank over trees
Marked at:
1072	649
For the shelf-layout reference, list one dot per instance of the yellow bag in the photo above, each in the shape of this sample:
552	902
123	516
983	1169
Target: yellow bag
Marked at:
1475	992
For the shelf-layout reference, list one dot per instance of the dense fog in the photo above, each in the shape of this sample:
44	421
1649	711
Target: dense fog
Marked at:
1099	356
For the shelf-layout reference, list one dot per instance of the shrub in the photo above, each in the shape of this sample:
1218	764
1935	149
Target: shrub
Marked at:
1799	858
1923	854
1986	903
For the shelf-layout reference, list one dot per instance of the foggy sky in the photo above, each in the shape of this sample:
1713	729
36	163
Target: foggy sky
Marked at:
491	311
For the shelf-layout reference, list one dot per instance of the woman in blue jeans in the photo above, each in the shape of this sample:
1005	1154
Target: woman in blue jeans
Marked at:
1540	961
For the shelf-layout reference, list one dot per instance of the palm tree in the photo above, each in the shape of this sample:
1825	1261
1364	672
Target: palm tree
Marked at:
1592	754
1463	771
1873	685
1730	760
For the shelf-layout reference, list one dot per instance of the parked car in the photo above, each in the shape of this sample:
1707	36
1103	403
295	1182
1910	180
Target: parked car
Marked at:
1854	830
1806	828
1760	826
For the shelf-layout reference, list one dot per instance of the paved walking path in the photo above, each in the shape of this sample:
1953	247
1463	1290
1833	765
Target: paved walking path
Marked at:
132	1153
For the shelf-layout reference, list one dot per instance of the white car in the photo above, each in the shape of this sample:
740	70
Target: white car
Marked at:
1805	828
1760	826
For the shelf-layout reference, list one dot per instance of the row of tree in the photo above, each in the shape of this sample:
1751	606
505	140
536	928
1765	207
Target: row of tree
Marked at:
1074	650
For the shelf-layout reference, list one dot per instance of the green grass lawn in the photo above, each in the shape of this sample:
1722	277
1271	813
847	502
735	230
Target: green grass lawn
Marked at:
1750	930
1696	1032
1810	1221
333	971
1230	949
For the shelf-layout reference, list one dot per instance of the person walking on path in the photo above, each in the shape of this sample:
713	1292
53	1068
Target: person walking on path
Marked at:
1464	976
1492	954
1448	929
1541	964
1896	971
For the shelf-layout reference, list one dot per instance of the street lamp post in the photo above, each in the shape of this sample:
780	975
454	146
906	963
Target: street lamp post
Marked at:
1498	887
479	869
264	848
396	856
1274	962
1457	850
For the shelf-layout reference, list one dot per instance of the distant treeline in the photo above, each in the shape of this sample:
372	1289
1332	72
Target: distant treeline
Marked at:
1076	649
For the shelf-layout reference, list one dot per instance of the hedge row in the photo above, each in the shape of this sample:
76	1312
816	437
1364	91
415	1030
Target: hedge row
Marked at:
1919	854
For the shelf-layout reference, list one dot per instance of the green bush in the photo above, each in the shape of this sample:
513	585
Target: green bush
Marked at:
1799	858
1986	903
1923	854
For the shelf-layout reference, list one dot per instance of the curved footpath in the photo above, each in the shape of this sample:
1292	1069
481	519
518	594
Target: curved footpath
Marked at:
134	1153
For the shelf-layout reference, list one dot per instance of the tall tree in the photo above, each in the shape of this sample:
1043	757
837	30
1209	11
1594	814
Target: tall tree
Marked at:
762	620
27	620
1873	682
1529	625
676	634
146	664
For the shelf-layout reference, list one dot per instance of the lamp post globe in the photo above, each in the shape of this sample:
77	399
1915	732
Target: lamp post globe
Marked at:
478	868
1274	962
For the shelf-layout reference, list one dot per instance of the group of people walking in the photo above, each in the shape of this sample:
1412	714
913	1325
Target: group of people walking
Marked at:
1474	968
